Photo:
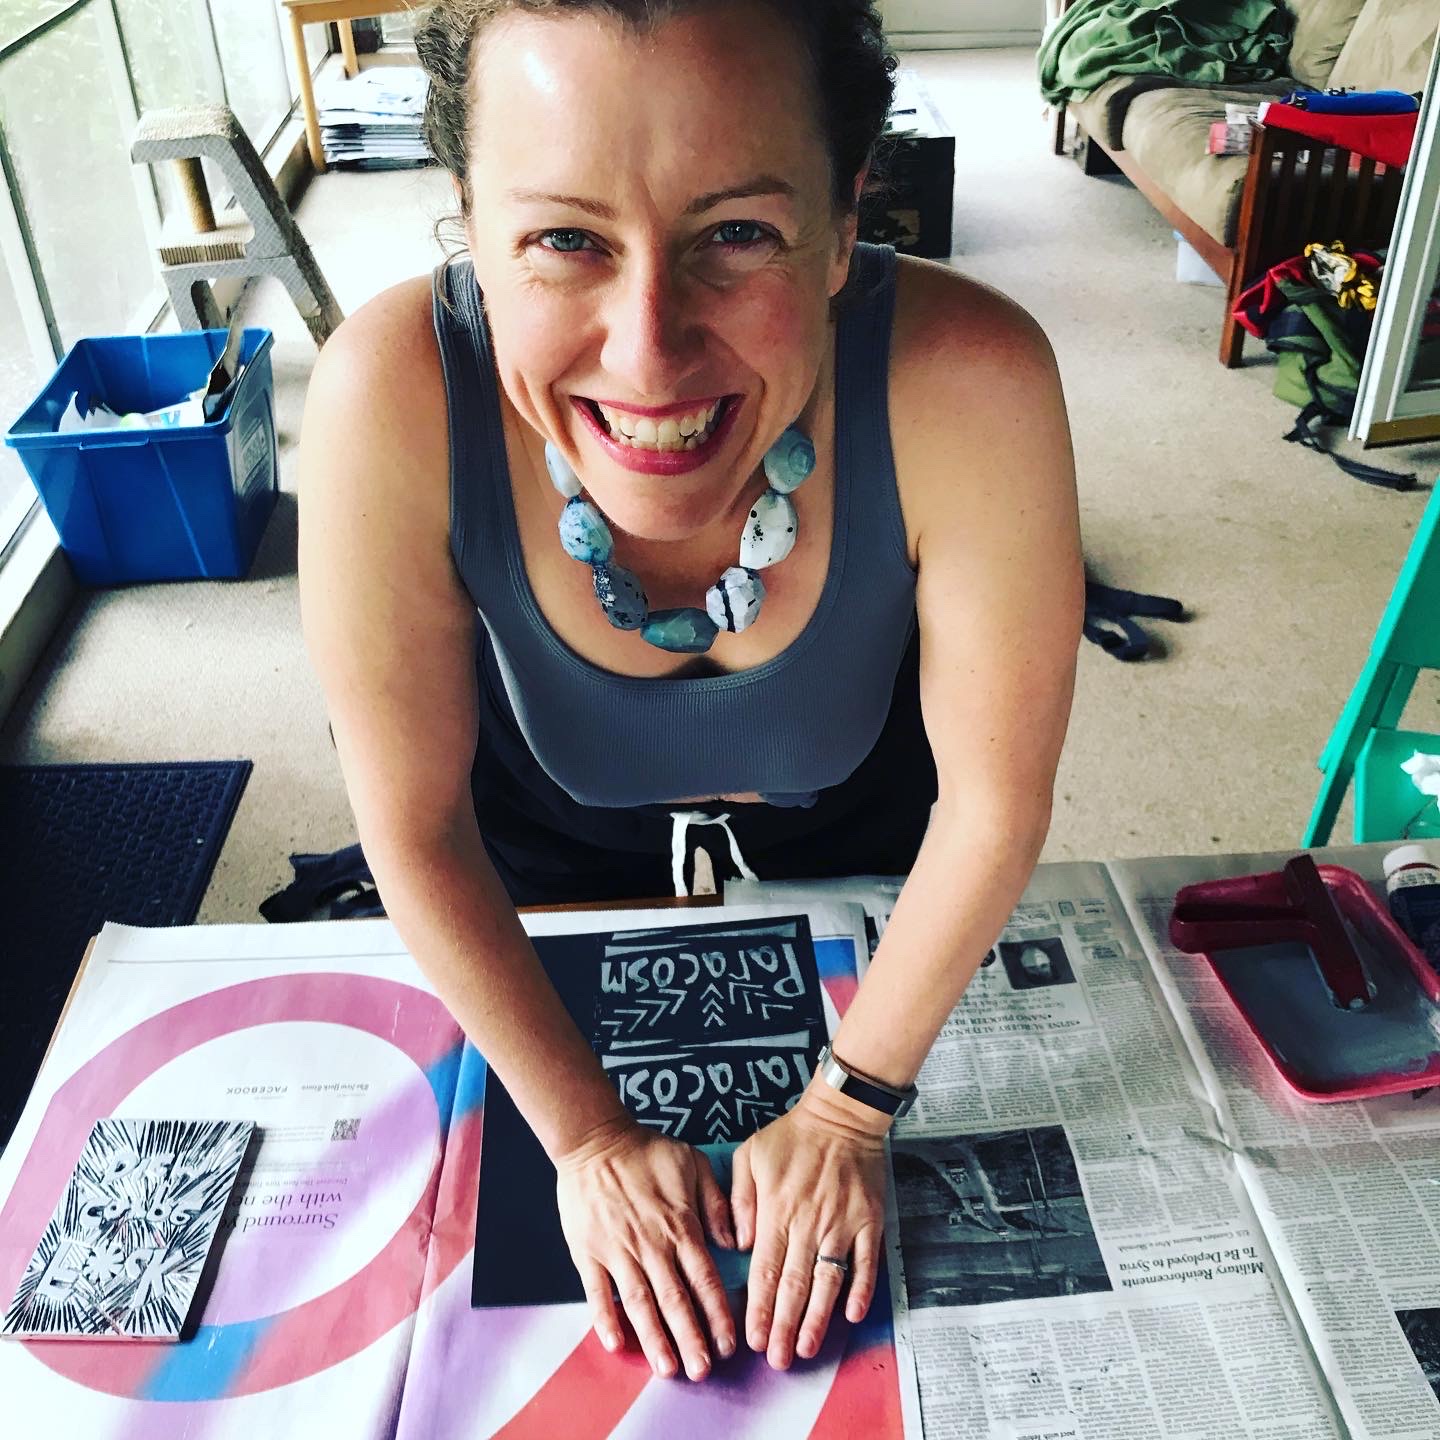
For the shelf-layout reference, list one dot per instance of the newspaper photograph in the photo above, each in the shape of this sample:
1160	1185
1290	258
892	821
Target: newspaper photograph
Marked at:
988	1218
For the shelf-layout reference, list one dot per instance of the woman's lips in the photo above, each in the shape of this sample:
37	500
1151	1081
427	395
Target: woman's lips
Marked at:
660	462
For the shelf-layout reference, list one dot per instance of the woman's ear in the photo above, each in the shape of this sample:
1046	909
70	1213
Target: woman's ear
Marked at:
846	236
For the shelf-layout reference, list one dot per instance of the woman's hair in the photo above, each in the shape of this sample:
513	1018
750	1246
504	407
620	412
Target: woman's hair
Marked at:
850	61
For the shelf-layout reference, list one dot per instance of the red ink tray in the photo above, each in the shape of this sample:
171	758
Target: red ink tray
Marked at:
1268	956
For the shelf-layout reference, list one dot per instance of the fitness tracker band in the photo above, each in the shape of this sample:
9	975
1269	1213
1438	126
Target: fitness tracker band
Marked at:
865	1088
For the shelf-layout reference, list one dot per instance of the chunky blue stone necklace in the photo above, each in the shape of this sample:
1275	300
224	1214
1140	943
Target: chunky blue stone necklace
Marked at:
734	600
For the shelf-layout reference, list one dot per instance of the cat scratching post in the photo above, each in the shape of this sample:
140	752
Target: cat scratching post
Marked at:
263	239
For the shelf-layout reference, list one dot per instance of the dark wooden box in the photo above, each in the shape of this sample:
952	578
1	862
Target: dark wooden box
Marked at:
913	210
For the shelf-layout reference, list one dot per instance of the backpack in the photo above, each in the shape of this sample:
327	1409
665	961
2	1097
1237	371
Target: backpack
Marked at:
1314	312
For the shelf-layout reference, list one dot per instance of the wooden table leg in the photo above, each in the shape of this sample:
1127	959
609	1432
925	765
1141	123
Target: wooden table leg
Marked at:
347	48
307	94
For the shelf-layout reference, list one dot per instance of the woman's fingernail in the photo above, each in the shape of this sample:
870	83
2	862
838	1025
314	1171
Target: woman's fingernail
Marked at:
610	1340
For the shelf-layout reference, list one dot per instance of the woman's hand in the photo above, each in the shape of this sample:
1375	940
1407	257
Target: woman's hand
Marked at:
631	1204
811	1183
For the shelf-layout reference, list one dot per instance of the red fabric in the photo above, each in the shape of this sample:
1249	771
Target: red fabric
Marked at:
1259	301
1386	138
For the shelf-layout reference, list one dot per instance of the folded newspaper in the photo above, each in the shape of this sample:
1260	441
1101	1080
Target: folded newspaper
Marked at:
373	120
1114	1220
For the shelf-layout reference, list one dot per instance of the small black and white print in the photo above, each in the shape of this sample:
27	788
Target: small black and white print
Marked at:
1035	964
345	1129
123	1253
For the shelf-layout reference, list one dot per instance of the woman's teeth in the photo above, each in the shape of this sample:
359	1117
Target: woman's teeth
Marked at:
674	432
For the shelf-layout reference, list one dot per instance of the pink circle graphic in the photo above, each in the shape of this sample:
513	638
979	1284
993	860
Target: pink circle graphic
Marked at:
291	1344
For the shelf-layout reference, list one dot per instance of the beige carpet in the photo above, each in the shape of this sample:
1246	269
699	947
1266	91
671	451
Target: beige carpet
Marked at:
1186	488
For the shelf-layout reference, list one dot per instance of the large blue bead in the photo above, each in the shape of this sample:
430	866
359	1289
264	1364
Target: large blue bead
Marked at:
584	533
789	460
686	631
621	597
562	477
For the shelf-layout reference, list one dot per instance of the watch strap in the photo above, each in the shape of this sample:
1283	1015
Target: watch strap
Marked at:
887	1099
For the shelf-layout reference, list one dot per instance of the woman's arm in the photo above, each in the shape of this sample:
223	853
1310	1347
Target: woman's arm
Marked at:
991	511
392	631
1000	595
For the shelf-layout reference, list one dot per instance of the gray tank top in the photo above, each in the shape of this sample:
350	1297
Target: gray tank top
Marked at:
797	724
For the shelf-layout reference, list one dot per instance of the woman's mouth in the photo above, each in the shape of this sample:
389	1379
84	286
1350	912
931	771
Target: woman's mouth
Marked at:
673	432
666	445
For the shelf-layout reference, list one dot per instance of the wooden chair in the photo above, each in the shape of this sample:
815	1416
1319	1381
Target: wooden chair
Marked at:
1298	190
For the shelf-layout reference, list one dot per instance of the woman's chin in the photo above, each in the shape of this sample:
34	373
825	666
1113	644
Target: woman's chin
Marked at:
656	513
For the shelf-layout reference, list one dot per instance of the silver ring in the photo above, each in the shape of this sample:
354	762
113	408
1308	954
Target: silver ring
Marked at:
838	1261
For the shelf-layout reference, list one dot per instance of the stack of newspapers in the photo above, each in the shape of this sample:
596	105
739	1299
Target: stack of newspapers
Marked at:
372	121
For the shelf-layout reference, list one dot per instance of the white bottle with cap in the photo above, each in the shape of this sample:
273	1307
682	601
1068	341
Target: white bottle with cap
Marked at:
1412	885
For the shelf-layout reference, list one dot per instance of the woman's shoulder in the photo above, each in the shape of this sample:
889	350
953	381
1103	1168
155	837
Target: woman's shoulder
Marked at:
972	386
386	346
376	430
956	338
378	389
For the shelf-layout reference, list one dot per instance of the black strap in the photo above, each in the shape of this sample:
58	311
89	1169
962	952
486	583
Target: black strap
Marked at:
1108	621
340	883
1318	413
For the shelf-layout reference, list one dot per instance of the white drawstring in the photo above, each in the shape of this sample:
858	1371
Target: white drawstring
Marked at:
684	819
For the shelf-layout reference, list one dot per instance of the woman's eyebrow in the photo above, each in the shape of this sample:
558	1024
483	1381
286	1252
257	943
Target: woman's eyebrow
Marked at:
748	190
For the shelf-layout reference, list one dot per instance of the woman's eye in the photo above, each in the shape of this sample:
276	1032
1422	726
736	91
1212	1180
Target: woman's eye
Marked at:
564	242
739	233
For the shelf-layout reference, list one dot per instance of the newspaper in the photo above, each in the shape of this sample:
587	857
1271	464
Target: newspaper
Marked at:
1348	1195
1111	1220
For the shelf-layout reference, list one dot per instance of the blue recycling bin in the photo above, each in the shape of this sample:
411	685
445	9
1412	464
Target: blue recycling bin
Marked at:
147	504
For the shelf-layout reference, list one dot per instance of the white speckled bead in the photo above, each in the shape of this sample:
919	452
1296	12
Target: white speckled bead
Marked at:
733	601
562	477
769	533
789	460
584	533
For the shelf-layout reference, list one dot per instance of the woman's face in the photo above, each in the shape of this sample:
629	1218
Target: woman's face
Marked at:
654	235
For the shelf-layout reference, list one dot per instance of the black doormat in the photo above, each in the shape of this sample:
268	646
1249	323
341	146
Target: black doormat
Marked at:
80	845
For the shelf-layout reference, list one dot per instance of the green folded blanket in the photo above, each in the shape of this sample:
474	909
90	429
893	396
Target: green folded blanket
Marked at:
1209	42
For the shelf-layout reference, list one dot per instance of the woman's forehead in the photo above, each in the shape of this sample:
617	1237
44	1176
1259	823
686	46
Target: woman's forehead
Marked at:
723	87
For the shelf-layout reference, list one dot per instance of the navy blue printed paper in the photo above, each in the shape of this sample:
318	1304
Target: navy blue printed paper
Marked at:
708	1033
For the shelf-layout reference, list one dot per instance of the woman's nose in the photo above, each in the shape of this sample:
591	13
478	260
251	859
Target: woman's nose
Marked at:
650	343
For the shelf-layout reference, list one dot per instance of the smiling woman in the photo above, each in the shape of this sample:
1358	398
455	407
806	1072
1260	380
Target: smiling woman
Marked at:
816	583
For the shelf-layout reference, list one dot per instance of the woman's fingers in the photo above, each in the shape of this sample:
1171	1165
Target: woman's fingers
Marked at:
704	1281
864	1266
713	1204
828	1282
672	1296
766	1265
596	1280
798	1279
639	1303
742	1198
